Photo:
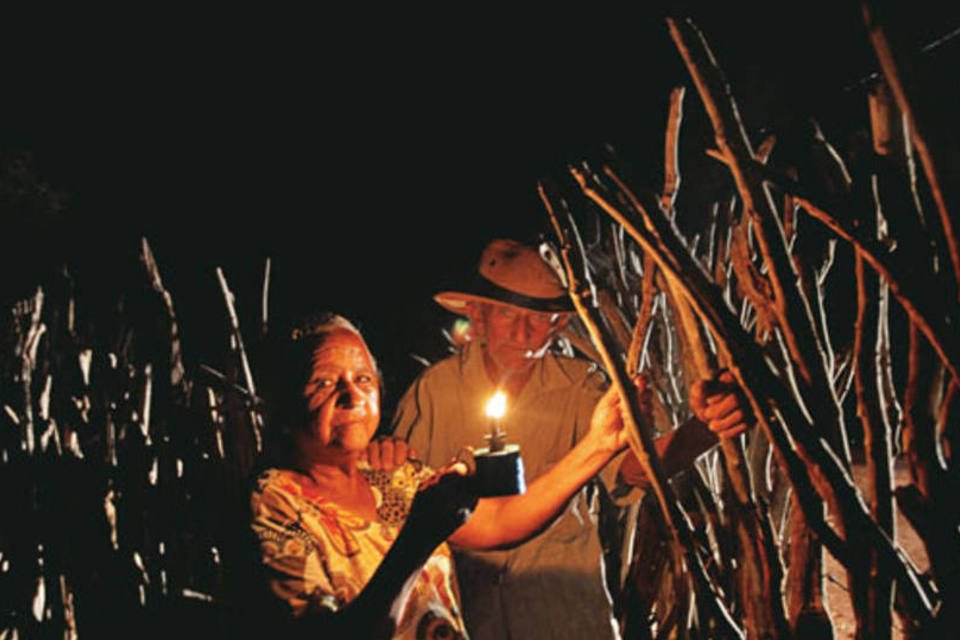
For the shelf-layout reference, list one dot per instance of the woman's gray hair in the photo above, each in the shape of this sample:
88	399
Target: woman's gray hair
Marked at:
314	329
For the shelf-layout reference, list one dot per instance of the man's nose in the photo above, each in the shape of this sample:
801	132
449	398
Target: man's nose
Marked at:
520	329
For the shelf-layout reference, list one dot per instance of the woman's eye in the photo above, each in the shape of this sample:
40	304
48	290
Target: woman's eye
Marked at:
364	379
323	384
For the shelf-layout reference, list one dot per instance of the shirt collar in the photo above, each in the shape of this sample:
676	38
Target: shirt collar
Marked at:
548	370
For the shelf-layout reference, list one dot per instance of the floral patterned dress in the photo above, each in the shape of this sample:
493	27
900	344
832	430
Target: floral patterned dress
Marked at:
320	555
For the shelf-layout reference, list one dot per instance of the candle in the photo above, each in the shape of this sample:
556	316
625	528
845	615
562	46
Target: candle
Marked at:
499	468
495	410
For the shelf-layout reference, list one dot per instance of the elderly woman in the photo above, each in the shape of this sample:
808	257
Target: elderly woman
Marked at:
354	552
359	552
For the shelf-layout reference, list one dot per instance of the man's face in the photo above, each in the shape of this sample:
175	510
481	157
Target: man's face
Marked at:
515	337
343	394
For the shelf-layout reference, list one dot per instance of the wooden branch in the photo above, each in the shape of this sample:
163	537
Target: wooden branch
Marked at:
176	354
614	320
642	328
738	154
947	422
640	440
265	299
759	573
919	427
898	69
229	300
907	290
794	311
807	614
799	450
751	284
869	587
671	173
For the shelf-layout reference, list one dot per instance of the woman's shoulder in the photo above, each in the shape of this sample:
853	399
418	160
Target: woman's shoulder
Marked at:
275	479
278	486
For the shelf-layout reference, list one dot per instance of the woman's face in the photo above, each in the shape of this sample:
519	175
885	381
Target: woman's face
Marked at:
343	394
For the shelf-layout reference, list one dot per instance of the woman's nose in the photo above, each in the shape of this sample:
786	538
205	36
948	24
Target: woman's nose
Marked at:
348	396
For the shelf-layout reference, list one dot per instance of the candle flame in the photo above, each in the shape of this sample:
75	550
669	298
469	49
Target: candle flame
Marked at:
497	405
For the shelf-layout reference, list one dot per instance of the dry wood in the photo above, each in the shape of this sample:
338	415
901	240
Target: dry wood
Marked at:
671	172
265	299
870	588
256	421
794	311
737	152
760	573
153	271
641	330
806	612
907	289
640	439
897	66
799	451
919	444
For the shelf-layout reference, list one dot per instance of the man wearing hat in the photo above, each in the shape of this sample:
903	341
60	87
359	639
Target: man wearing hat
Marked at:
552	586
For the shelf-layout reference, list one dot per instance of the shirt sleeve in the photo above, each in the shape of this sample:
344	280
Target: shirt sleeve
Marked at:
292	559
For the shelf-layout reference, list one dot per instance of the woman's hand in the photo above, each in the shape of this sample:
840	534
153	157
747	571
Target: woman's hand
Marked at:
387	453
606	424
719	404
443	503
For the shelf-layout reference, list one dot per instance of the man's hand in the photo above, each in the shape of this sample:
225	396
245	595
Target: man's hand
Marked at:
607	420
720	405
387	453
721	411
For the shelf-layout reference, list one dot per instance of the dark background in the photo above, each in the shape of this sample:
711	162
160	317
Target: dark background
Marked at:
370	153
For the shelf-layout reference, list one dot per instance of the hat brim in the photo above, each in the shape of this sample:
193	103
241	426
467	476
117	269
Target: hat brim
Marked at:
458	301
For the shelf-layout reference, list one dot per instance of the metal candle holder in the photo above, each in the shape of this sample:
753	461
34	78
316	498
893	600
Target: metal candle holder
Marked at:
499	465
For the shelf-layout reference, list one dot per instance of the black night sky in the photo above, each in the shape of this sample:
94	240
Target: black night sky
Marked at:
372	155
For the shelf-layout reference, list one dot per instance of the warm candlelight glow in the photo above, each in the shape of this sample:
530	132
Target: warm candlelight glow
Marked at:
497	405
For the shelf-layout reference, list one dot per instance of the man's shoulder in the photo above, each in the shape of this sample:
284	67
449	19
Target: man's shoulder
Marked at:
447	369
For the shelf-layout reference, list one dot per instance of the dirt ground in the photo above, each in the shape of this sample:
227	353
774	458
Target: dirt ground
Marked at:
838	599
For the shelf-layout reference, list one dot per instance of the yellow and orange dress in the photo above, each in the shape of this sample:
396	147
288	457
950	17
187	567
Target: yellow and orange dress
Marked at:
319	555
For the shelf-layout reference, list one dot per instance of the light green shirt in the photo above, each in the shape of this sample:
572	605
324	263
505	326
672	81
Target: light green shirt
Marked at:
551	586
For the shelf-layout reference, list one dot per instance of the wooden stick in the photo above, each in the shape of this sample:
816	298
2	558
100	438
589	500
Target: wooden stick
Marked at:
671	173
642	327
255	418
870	589
794	311
897	69
760	573
264	299
921	311
640	440
738	154
799	451
177	369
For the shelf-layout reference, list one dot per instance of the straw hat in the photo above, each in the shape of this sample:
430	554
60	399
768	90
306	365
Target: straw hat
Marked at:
511	273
